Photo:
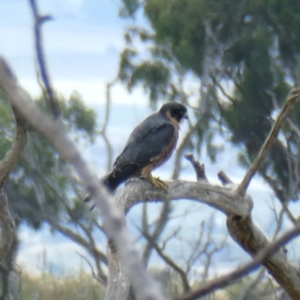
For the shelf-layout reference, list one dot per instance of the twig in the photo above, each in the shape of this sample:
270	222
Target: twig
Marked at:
224	178
199	168
217	84
100	280
289	103
186	139
247	291
246	269
103	132
169	261
159	228
38	22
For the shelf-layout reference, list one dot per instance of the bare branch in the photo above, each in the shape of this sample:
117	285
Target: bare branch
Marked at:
216	83
160	226
195	253
249	267
224	178
169	261
38	22
199	168
246	292
223	199
72	236
288	105
7	226
169	237
99	279
7	164
13	156
180	149
109	149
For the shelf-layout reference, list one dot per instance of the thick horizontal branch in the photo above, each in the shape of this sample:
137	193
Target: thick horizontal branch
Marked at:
221	198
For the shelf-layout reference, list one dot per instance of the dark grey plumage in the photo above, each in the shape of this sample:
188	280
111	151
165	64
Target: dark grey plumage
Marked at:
150	144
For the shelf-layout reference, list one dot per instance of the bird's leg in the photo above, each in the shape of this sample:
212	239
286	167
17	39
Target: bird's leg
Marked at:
158	183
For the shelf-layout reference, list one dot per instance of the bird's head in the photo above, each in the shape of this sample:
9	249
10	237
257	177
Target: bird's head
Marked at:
174	111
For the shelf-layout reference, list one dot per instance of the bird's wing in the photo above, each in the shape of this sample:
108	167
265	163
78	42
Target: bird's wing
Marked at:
146	142
150	144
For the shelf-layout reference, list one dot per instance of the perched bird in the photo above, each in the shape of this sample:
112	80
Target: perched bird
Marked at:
150	145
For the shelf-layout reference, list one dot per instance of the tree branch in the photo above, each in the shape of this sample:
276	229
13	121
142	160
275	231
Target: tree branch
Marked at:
13	156
160	226
7	226
7	164
38	22
288	105
199	168
169	261
109	149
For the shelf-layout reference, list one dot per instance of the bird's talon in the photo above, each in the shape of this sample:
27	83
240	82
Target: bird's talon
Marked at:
158	183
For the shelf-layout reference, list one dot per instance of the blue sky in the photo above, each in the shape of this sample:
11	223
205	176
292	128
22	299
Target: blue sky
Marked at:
82	46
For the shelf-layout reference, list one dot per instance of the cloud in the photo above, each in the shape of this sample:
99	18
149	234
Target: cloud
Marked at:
82	43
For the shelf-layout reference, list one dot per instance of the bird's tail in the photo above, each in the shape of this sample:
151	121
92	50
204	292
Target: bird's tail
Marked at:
119	175
111	182
113	179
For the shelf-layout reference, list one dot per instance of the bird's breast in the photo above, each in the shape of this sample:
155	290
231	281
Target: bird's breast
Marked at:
166	152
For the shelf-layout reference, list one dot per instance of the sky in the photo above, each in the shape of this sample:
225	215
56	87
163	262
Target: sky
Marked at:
82	48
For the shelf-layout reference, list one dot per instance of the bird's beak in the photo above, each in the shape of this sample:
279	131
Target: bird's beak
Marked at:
186	117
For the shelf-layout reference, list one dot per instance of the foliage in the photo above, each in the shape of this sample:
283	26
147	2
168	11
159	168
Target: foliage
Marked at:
42	183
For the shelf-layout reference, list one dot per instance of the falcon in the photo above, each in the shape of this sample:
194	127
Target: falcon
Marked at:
149	146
